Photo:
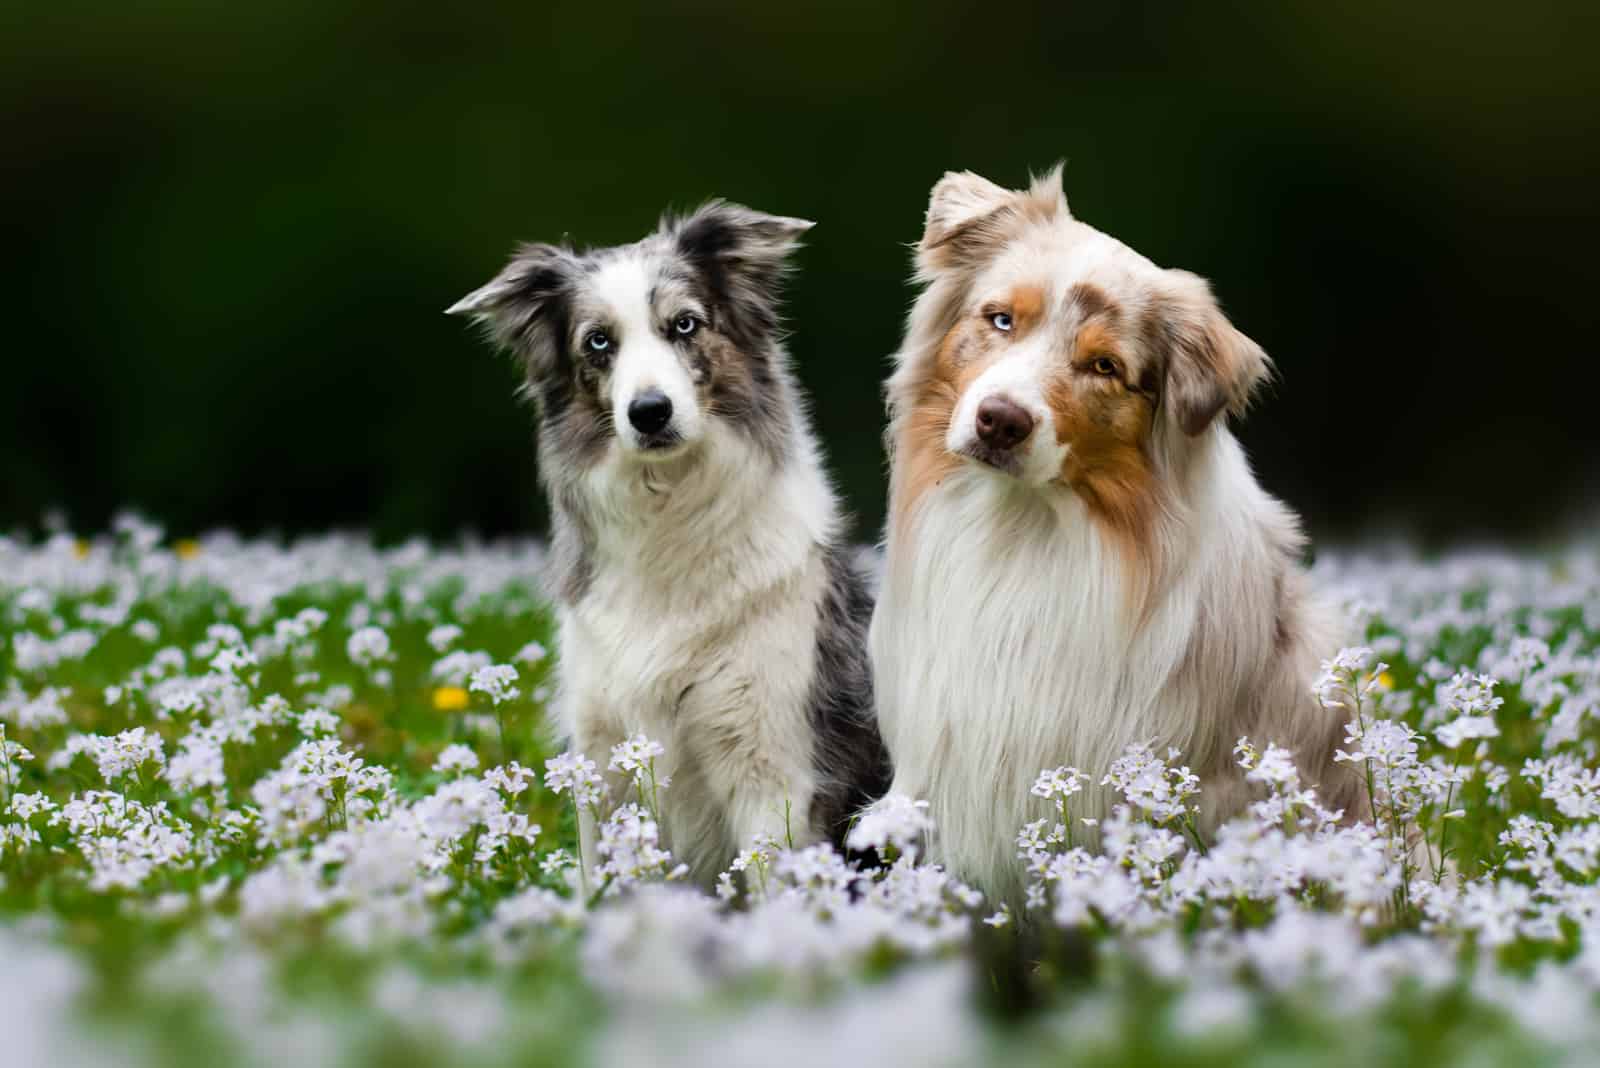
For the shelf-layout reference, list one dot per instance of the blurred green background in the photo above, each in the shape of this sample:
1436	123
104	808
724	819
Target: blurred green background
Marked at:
233	227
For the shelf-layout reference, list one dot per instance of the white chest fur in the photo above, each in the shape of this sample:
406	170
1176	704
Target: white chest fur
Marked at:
698	627
1004	643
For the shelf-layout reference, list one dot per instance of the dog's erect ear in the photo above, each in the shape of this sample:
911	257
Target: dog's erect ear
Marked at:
523	307
969	216
741	255
1211	365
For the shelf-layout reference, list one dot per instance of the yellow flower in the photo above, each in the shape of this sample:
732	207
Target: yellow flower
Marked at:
186	548
449	699
1386	680
80	549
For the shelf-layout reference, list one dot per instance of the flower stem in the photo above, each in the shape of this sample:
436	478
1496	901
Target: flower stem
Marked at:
583	869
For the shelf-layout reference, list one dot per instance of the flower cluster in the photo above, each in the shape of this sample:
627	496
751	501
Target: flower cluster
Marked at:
241	757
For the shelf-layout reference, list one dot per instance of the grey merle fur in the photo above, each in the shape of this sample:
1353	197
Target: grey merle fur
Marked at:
736	260
851	759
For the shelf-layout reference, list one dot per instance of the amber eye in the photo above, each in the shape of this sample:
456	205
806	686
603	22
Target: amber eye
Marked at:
1104	365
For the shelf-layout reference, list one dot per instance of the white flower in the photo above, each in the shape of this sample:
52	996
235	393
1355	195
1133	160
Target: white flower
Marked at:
455	668
1286	910
318	784
444	636
456	758
629	849
497	681
556	861
1452	734
12	753
368	646
1058	783
456	808
896	821
1275	766
575	773
525	915
124	842
1470	696
1337	683
197	765
1150	785
634	755
128	751
17	838
510	779
26	806
232	660
45	710
1206	1009
318	720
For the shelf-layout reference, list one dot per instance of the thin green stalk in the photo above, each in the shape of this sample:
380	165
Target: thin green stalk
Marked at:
599	893
655	792
5	758
1194	833
583	869
1444	820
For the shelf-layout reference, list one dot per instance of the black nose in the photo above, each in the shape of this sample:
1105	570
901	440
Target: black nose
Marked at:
1003	424
650	411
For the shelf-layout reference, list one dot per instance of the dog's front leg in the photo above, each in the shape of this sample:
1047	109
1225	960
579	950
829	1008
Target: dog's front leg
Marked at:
757	759
770	788
770	804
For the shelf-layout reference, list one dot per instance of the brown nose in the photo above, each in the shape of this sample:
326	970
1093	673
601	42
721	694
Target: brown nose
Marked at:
1003	424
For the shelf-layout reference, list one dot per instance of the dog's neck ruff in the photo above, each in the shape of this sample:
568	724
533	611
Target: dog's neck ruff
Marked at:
1006	641
722	517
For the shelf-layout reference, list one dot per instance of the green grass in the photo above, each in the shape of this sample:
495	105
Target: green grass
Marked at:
175	971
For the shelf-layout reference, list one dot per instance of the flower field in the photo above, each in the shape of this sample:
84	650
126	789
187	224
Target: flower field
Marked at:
268	803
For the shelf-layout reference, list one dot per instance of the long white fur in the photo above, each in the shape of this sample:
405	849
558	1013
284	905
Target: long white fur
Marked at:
1008	636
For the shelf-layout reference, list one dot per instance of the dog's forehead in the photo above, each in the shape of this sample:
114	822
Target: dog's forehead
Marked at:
636	279
622	278
1068	257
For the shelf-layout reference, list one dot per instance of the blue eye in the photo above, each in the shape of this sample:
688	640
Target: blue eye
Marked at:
598	341
1001	321
685	325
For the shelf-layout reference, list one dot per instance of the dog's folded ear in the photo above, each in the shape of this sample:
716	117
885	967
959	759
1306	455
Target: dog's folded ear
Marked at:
741	256
522	307
957	200
1211	365
970	216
